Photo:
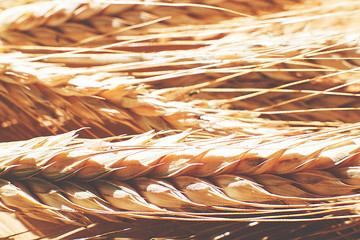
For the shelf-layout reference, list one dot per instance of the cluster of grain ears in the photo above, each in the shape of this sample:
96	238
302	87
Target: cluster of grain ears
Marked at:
202	111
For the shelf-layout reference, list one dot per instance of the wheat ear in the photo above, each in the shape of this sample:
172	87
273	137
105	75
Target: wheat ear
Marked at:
145	109
171	156
53	13
317	181
314	177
